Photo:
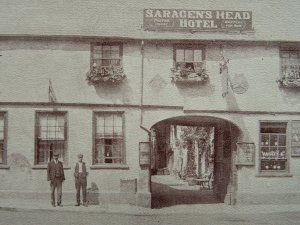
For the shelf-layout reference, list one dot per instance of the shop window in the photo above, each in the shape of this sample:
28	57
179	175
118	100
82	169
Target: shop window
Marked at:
108	143
273	147
2	139
189	63
51	129
290	68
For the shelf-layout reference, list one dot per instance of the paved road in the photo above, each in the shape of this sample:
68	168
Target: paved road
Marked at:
43	217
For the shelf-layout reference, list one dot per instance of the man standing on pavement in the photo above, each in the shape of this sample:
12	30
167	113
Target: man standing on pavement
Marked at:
55	174
80	175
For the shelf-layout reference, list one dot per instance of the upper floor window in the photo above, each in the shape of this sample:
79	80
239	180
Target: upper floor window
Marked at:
290	68
106	55
106	64
273	146
189	64
51	136
2	138
190	57
108	141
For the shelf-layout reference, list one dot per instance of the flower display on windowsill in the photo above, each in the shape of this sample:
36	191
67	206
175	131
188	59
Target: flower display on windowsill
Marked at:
290	78
111	74
188	75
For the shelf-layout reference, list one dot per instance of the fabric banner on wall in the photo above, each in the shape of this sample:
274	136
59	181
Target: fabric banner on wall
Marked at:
224	77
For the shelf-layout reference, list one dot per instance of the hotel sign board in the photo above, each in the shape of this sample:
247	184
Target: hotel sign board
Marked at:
197	20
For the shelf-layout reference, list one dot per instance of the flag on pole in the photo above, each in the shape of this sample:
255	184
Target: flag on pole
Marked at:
51	94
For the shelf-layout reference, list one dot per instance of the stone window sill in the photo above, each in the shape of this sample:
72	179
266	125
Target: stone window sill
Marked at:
41	167
110	166
274	174
2	166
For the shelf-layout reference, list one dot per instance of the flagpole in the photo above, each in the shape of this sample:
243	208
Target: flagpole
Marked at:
49	99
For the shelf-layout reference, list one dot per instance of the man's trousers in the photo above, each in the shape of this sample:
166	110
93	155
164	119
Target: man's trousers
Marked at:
56	184
80	183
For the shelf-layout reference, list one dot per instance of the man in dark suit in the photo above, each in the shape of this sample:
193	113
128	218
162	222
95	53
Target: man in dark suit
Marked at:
80	175
55	174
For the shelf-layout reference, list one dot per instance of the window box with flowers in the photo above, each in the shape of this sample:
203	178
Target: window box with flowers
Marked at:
290	69
112	74
106	64
189	65
188	75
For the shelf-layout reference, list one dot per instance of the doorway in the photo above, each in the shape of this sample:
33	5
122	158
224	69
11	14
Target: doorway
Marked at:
191	161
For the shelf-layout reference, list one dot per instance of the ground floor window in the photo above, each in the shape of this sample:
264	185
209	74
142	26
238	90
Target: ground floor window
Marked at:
2	138
108	138
273	146
51	129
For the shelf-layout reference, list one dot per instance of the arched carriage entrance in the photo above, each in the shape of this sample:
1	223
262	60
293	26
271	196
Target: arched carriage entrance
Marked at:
192	161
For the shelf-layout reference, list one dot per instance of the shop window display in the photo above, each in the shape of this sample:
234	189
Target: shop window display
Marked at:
273	146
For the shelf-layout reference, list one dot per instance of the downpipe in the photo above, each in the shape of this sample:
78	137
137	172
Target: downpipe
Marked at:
142	93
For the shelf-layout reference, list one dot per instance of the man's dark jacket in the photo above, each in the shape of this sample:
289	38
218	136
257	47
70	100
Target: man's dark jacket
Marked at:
55	171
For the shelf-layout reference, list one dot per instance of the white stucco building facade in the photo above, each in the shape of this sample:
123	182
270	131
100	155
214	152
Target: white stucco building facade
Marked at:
61	41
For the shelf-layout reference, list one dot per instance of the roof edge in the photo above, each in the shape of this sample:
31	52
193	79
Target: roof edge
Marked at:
124	38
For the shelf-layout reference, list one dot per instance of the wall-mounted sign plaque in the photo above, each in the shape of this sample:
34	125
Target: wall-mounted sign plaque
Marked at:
295	138
239	83
245	153
197	20
144	156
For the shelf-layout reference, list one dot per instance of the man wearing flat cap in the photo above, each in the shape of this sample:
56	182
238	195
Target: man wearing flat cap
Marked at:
80	175
55	174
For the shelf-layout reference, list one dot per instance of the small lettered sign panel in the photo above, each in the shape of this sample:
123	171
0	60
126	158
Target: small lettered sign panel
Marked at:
144	148
295	138
245	153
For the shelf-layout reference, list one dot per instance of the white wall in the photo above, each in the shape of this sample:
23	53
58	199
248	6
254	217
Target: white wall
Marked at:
260	65
22	174
27	66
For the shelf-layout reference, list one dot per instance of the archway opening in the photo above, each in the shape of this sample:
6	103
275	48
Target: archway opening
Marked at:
192	161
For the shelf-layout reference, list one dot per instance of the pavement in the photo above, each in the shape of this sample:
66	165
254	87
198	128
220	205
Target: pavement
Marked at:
13	203
221	208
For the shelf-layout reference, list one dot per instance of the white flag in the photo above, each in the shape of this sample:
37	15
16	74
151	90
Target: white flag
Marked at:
225	77
51	94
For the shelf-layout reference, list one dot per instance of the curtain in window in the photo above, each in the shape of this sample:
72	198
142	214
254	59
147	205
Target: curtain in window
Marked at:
109	139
